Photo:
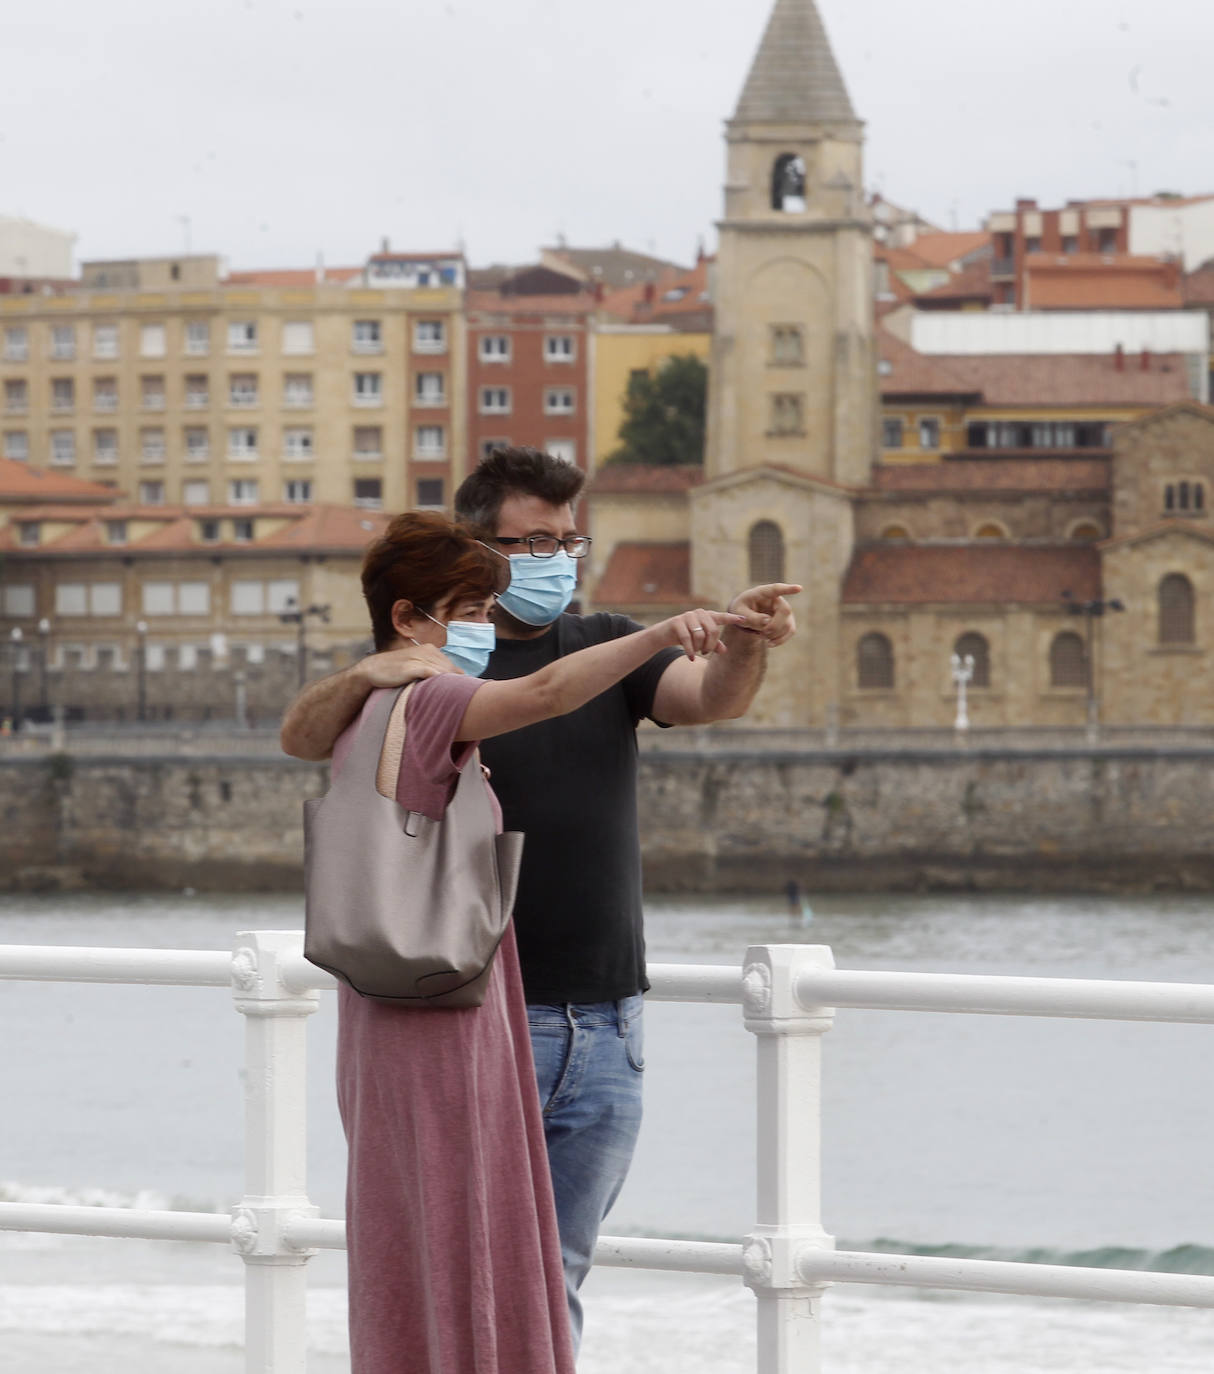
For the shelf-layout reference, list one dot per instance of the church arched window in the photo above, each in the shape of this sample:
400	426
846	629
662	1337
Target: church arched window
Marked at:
1176	610
875	661
766	548
1068	661
788	183
979	650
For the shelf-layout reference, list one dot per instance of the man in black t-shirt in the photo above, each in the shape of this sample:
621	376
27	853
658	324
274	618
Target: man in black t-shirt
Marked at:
569	784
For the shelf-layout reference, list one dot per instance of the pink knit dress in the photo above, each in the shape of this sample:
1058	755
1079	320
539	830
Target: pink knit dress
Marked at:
454	1256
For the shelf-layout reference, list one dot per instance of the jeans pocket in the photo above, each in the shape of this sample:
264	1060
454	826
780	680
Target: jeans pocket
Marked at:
634	1044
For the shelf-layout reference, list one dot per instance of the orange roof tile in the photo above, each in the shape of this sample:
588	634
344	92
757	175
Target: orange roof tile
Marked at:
994	474
1199	285
622	479
969	574
942	249
972	283
494	303
21	483
646	574
646	302
1114	281
904	372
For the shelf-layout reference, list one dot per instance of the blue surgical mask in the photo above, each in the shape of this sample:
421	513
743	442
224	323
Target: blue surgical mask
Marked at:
540	588
469	643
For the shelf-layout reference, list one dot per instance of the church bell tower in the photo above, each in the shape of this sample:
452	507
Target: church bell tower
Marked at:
793	378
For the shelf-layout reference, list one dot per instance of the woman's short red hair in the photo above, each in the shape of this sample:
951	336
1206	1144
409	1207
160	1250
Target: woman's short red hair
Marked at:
424	558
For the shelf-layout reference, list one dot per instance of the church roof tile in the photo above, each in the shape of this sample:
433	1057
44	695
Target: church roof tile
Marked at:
794	78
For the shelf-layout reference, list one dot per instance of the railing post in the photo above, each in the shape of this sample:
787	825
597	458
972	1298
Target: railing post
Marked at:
789	1080
276	1338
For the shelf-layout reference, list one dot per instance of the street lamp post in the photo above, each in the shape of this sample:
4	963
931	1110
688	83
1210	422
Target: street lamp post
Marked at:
1091	611
141	701
16	637
44	638
962	671
297	615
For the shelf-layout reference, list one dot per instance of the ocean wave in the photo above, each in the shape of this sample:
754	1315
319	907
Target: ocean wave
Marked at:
143	1200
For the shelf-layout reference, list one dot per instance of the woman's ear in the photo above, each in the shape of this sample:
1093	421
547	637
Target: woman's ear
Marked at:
402	618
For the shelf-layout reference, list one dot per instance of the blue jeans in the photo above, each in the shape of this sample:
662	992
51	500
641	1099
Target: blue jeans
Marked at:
588	1063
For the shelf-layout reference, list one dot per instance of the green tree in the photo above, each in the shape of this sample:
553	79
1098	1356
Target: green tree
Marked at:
664	414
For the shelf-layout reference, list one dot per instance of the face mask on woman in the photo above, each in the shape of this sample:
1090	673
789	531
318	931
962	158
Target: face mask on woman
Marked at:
469	643
540	588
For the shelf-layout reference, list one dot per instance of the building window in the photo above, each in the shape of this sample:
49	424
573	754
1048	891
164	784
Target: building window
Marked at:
105	341
786	417
63	395
495	400
891	432
29	533
875	662
63	447
16	397
1032	243
990	530
151	341
197	338
559	348
489	446
765	546
242	531
564	449
16	344
430	336
18	599
151	393
1068	661
895	532
430	389
369	492
298	337
430	493
495	348
558	400
297	444
105	394
242	491
115	531
208	531
929	432
368	336
368	442
197	391
88	598
151	445
368	388
1184	498
788	183
105	446
786	345
1070	243
17	445
242	389
197	445
196	493
297	390
431	441
242	444
242	336
1106	241
975	646
151	493
63	341
1176	610
176	598
298	491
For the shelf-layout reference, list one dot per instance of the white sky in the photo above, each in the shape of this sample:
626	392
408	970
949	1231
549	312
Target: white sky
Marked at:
284	128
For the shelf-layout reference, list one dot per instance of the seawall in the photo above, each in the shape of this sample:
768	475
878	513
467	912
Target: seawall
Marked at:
712	820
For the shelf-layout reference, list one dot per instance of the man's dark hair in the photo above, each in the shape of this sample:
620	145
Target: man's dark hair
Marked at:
514	472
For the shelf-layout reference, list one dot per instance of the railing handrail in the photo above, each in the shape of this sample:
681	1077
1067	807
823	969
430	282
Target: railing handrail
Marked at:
788	995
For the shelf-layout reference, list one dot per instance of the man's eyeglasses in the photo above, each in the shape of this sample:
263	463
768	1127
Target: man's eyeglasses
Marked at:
546	545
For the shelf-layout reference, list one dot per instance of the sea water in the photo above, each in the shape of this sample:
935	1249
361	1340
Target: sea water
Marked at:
1067	1142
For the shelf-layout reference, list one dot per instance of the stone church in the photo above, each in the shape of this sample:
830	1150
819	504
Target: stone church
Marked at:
1080	586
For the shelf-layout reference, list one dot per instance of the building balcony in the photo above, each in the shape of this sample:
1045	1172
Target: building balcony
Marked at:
197	400
1004	268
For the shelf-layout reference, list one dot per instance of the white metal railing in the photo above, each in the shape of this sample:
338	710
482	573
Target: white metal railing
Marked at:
787	993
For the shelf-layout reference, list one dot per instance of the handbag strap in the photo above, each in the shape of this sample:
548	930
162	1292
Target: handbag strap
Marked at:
393	748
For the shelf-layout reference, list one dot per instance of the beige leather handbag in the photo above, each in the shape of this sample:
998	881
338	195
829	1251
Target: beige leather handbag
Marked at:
402	908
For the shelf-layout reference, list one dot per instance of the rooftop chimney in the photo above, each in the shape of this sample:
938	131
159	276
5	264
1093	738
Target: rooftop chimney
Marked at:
384	245
1119	358
1145	364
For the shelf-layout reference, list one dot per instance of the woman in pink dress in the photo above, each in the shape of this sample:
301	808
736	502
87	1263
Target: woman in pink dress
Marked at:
454	1257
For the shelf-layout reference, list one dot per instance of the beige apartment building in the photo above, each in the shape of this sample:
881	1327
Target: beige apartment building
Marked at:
178	385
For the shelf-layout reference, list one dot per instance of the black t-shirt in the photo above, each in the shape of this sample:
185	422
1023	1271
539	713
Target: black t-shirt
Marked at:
569	785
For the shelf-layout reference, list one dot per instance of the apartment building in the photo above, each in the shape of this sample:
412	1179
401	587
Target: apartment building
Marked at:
178	385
